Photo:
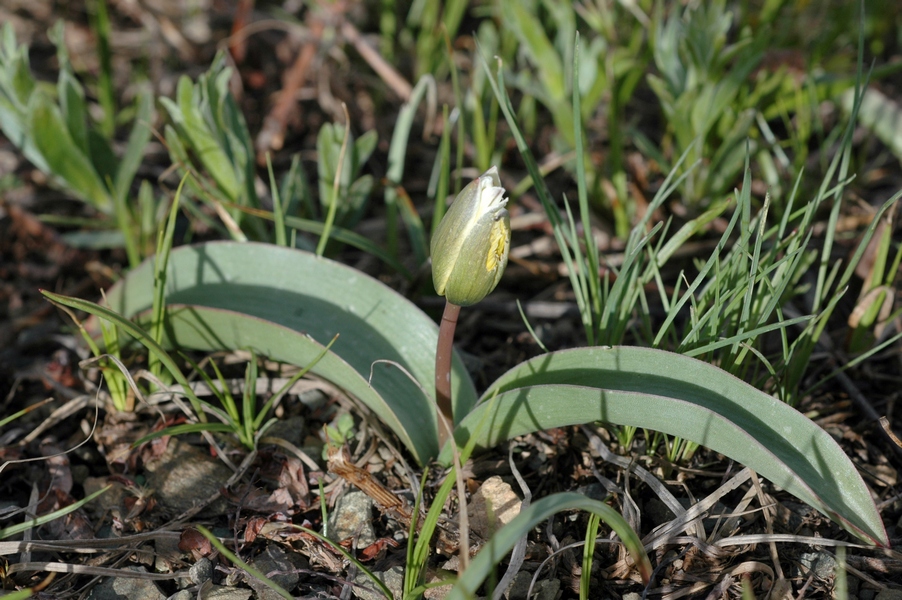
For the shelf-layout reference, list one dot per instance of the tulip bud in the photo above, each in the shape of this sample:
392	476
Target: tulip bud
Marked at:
470	246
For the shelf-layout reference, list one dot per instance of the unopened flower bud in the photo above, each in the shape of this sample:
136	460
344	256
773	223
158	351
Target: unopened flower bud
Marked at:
470	246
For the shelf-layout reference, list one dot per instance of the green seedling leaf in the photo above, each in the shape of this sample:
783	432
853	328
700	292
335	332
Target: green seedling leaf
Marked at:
682	397
72	105
266	298
531	33
9	419
137	141
396	154
503	541
188	119
63	156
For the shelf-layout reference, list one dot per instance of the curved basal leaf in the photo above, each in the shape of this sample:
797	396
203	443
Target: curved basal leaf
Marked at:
684	397
266	295
505	539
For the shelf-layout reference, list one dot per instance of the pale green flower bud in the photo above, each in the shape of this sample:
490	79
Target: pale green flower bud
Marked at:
470	246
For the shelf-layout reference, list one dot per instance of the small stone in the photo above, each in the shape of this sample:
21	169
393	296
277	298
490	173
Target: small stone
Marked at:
519	587
221	592
353	516
278	566
185	476
595	491
888	594
632	596
365	589
201	571
439	592
493	506
822	564
852	585
116	588
546	589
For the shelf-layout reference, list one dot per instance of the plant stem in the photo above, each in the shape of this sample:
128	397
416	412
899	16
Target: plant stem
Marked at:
443	352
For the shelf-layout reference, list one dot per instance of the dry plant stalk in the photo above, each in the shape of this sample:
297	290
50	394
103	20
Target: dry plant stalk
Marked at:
339	463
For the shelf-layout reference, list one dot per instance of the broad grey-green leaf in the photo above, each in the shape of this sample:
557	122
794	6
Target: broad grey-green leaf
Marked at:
203	328
684	397
273	293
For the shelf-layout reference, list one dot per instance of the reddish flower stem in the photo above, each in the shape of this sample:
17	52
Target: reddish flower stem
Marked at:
443	352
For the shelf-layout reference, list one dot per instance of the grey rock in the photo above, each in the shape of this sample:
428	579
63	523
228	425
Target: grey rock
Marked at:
365	589
595	491
822	564
519	587
221	592
127	588
185	476
279	567
291	430
888	594
549	589
632	596
353	515
201	571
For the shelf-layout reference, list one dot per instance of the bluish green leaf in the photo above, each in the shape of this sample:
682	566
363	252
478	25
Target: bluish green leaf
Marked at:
684	397
266	298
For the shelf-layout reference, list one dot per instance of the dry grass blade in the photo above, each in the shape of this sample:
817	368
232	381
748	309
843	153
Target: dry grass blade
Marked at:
58	567
661	535
645	476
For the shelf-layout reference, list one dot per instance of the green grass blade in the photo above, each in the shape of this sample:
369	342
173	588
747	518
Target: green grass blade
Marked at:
38	521
588	556
505	539
350	238
137	142
188	428
233	558
136	332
